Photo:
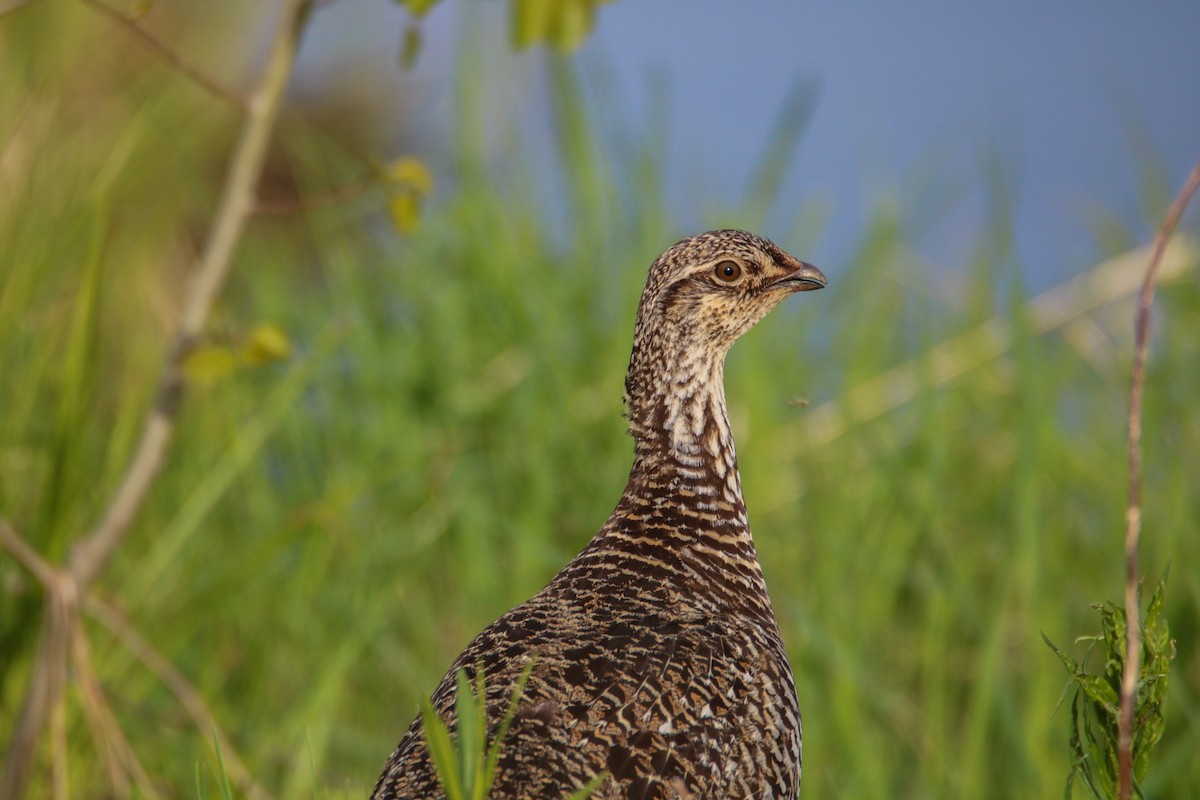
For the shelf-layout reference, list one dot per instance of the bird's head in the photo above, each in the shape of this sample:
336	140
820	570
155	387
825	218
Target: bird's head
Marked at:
701	295
707	290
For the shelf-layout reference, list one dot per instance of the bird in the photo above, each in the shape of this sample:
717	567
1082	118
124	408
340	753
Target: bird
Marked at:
655	663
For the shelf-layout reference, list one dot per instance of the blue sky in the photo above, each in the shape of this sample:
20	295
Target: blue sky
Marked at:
1056	90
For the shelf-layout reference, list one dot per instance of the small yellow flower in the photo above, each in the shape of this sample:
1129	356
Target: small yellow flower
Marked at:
405	211
204	366
410	174
267	343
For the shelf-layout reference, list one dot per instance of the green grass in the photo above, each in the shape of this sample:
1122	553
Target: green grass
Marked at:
329	531
466	758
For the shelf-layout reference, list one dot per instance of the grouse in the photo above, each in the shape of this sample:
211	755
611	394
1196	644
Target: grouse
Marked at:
657	665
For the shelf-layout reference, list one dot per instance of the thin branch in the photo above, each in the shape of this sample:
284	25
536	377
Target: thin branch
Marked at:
9	6
189	697
60	773
25	555
166	54
339	194
237	201
1133	511
104	732
90	555
44	695
120	758
43	700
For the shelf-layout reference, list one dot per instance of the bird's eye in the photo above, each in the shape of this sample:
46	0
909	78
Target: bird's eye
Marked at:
728	271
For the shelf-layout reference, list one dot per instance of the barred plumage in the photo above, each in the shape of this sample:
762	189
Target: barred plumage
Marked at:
656	656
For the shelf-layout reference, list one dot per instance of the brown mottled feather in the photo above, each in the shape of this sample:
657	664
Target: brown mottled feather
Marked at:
657	659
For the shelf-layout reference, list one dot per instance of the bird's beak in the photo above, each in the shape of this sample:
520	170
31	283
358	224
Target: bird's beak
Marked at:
805	278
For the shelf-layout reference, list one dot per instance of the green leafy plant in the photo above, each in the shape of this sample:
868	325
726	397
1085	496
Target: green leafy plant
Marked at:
1095	706
563	24
466	764
406	448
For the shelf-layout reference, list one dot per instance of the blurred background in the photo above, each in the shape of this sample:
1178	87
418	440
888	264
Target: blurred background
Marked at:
405	414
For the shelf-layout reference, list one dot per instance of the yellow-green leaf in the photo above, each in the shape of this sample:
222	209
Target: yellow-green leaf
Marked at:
574	23
470	708
1101	692
532	21
267	343
411	174
418	7
405	211
207	365
1067	661
410	47
441	750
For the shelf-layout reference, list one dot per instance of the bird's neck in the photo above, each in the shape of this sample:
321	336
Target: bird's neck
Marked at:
682	517
684	453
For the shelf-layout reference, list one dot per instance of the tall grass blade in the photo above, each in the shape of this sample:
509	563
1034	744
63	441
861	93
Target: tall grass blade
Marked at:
442	752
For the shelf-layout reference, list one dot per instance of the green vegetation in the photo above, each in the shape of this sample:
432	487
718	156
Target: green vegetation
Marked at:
1094	705
466	760
439	431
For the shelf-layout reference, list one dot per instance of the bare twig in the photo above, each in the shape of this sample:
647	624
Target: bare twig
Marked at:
65	587
25	555
189	697
120	758
9	6
173	59
44	695
1133	511
237	202
338	194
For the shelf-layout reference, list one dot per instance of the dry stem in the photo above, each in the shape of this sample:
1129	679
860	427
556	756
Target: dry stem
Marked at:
187	694
337	195
9	6
173	59
237	202
65	587
1133	511
25	555
121	762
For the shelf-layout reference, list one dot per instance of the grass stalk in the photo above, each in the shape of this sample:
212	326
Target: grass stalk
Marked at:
235	208
169	56
1133	510
45	698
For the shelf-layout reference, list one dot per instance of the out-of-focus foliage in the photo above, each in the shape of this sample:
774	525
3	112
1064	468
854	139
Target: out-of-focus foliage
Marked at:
409	183
209	363
444	433
562	24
